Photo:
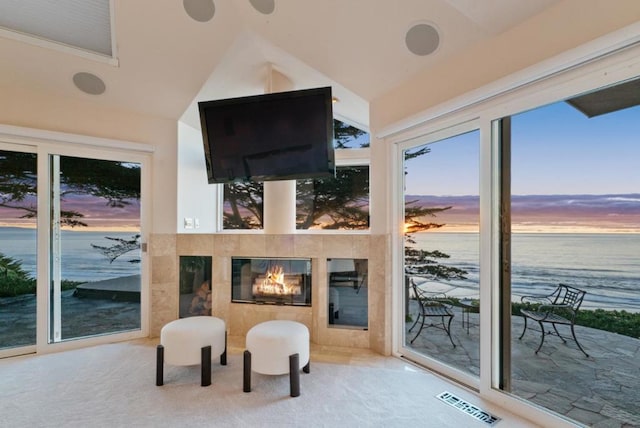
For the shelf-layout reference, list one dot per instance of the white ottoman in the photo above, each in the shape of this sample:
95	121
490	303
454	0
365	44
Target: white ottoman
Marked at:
190	341
275	348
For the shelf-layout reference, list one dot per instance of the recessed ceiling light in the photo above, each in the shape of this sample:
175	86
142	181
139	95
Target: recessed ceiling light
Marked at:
264	6
200	10
422	39
89	83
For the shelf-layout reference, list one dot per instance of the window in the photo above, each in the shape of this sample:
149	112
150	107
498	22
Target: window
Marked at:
336	204
18	247
441	251
243	206
340	203
574	219
94	247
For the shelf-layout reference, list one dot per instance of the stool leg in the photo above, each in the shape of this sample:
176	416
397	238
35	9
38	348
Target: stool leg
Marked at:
246	378
223	356
294	374
160	365
205	355
307	368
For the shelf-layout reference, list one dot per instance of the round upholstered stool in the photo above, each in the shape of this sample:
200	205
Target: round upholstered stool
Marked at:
190	341
275	348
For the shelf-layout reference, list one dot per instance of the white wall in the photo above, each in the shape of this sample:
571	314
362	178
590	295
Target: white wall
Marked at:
197	199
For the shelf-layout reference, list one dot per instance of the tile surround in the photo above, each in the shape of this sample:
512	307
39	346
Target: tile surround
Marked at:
166	249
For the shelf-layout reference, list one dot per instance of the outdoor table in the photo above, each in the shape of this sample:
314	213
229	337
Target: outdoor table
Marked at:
468	306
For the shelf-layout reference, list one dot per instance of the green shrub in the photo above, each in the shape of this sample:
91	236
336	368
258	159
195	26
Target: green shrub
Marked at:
14	281
621	322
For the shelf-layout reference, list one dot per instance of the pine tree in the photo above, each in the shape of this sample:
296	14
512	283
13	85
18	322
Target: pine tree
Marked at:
418	262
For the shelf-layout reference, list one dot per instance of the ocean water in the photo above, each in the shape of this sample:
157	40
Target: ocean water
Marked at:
80	261
606	266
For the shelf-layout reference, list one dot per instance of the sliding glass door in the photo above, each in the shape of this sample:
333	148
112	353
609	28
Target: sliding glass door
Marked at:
70	246
559	243
573	205
441	253
18	248
95	279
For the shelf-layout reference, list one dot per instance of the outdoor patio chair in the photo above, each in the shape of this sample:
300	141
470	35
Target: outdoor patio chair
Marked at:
559	307
432	305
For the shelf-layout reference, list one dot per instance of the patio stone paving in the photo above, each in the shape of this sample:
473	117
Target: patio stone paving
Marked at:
601	390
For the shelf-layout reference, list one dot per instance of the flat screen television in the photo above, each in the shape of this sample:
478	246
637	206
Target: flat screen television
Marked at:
278	136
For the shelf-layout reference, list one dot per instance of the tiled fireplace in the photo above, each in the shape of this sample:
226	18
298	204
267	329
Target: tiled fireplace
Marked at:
251	252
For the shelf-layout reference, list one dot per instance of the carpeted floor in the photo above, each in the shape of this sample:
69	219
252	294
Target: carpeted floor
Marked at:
114	386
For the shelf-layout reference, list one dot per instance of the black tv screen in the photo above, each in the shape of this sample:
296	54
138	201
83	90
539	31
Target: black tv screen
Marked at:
279	136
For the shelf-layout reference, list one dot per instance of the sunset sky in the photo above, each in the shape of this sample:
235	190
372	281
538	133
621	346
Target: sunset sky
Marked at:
594	163
569	172
97	215
555	150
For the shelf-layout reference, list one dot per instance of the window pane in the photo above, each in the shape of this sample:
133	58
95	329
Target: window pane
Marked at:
349	137
340	203
18	209
441	251
95	247
243	206
575	220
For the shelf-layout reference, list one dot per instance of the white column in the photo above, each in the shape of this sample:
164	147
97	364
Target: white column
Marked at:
279	196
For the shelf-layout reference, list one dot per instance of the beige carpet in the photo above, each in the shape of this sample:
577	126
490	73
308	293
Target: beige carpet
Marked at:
114	386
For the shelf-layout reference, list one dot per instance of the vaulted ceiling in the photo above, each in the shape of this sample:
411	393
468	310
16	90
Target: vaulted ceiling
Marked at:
169	54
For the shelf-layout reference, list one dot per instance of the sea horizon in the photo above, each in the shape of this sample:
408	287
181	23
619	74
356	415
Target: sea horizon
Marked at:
607	266
80	261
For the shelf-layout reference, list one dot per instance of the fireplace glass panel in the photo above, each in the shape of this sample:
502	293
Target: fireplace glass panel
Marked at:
195	286
348	293
279	281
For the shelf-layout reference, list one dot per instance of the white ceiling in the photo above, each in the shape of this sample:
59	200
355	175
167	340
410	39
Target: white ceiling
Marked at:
166	61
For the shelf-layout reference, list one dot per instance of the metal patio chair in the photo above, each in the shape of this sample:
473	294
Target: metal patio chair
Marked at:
559	307
432	306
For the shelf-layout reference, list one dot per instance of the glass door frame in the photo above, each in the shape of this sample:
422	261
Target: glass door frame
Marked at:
398	292
45	143
44	344
16	146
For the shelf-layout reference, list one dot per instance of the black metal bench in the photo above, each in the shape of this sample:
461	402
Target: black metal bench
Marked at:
559	307
432	306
